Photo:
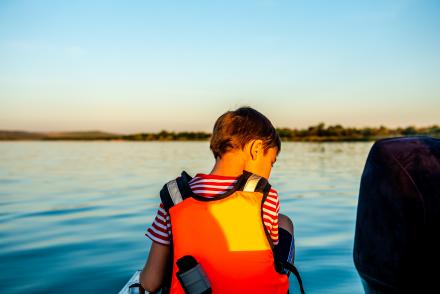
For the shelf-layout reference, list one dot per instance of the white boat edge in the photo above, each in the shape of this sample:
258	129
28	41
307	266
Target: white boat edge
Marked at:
133	280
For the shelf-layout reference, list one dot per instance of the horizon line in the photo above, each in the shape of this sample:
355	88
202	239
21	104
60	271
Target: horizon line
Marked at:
201	131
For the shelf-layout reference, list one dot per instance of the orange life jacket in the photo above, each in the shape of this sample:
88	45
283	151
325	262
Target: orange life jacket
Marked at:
226	235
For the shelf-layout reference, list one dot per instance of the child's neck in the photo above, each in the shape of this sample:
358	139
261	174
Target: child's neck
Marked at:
231	164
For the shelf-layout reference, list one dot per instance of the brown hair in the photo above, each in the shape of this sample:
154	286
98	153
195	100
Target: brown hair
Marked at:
234	129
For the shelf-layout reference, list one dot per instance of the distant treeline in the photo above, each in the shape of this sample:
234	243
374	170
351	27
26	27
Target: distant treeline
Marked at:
317	133
338	133
167	136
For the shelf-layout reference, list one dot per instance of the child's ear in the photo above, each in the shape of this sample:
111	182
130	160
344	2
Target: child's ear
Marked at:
256	149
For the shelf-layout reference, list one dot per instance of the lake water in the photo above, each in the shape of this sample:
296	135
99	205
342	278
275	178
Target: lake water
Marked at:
73	214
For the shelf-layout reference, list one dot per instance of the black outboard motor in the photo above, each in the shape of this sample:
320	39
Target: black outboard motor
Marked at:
397	247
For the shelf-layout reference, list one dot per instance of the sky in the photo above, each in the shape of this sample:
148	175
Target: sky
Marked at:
144	66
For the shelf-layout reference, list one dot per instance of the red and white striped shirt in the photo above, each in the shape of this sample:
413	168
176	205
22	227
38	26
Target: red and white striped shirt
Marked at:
207	185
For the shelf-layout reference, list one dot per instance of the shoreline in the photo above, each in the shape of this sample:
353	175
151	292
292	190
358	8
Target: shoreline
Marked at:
296	140
318	133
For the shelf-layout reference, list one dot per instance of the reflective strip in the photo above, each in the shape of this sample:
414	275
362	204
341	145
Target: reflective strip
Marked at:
174	192
251	183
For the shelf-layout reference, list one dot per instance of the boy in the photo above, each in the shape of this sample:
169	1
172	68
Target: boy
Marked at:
245	144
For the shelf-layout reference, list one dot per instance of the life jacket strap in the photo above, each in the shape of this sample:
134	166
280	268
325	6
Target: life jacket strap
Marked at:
175	191
251	183
254	183
291	268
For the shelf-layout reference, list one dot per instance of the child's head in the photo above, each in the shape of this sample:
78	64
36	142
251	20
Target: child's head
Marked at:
249	136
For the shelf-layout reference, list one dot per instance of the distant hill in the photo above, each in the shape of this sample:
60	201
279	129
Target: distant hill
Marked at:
75	135
20	135
83	135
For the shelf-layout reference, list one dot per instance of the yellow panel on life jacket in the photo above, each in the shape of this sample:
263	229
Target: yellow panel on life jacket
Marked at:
227	237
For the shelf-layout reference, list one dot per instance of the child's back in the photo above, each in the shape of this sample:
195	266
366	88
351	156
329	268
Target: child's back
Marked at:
227	219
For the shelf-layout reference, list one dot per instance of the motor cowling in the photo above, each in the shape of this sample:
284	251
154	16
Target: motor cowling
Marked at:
397	247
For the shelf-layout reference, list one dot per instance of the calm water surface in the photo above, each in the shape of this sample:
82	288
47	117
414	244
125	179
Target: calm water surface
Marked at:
73	214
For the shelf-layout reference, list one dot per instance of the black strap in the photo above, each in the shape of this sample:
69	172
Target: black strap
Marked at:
290	267
263	186
181	183
244	183
165	197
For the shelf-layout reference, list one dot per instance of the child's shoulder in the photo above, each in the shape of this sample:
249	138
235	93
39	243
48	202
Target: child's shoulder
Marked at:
272	196
273	191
